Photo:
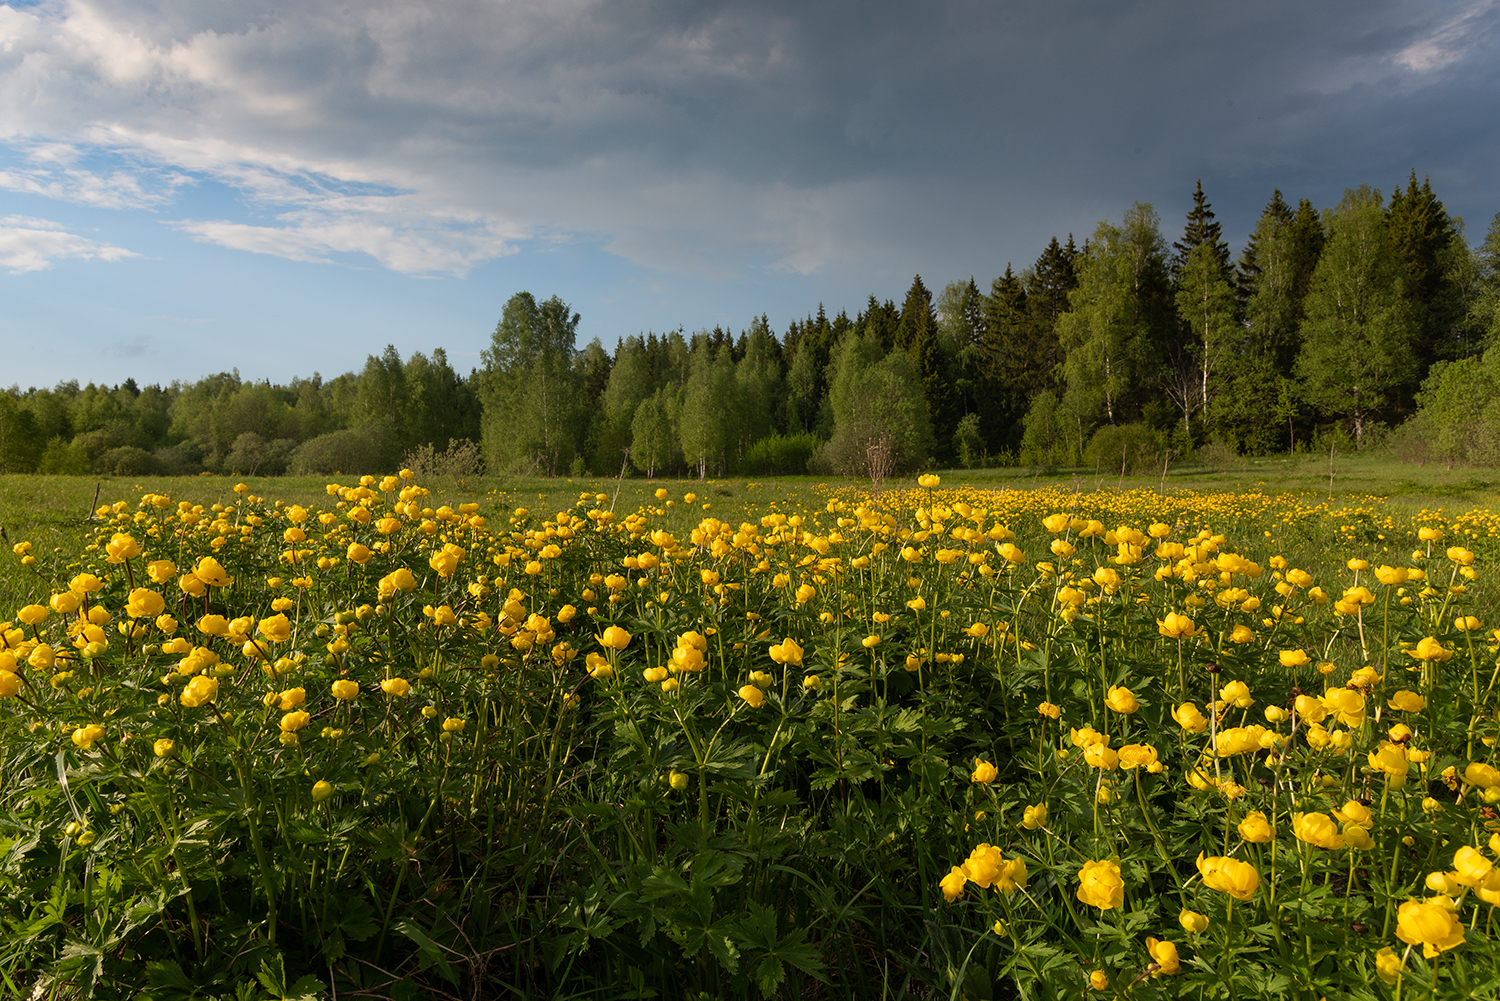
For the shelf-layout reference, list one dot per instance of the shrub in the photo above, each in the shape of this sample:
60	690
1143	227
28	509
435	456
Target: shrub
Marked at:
341	451
779	455
126	460
1128	448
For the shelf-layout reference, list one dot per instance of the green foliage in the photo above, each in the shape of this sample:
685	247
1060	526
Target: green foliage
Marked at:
340	451
779	455
1358	335
1126	448
542	814
880	414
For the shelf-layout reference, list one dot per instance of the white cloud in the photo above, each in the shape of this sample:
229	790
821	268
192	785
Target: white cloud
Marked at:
1452	41
28	244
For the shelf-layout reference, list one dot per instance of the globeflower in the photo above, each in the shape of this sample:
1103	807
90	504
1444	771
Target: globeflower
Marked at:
212	573
1176	626
344	690
1429	649
984	772
1163	956
200	691
1317	829
1192	922
753	695
1429	925
1229	875
1101	885
84	736
613	638
121	548
1255	828
1189	718
144	603
1407	702
1121	700
787	652
1034	816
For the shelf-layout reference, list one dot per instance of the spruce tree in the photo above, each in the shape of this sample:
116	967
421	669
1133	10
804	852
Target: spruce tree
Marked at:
1201	228
1424	236
1016	362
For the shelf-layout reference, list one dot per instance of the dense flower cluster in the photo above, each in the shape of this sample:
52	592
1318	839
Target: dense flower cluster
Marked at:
1082	699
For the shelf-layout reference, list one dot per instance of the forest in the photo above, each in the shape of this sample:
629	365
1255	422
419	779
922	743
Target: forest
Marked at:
1372	324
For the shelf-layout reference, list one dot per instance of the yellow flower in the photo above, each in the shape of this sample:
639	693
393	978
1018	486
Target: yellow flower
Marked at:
1237	692
358	552
1388	965
1049	710
1099	980
202	689
929	481
613	638
1176	626
1229	875
1310	709
1101	885
10	684
398	687
1192	922
1407	702
1317	829
277	629
1428	648
1189	718
453	725
753	695
1121	700
787	652
1431	926
1056	523
163	747
1477	773
1294	658
66	602
84	736
293	721
953	884
1390	759
121	548
144	603
321	790
212	573
33	615
1034	816
344	690
1347	703
1163	955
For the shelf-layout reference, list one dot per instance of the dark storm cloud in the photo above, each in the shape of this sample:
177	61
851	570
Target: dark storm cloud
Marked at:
857	141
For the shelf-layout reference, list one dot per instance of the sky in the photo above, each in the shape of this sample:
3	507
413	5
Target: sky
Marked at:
282	188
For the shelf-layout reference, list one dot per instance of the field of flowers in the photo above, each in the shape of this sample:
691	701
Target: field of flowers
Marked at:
937	743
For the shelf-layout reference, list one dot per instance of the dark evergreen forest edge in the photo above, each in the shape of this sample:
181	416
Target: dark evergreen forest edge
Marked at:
1371	325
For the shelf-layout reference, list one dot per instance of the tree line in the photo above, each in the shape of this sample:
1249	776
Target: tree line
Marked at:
1373	320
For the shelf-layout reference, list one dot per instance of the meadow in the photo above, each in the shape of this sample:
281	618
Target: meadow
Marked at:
1216	734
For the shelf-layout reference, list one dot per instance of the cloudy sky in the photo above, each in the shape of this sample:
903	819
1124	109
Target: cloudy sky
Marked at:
284	186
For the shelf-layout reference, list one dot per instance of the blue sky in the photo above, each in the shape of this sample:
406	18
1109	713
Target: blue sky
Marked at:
190	186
